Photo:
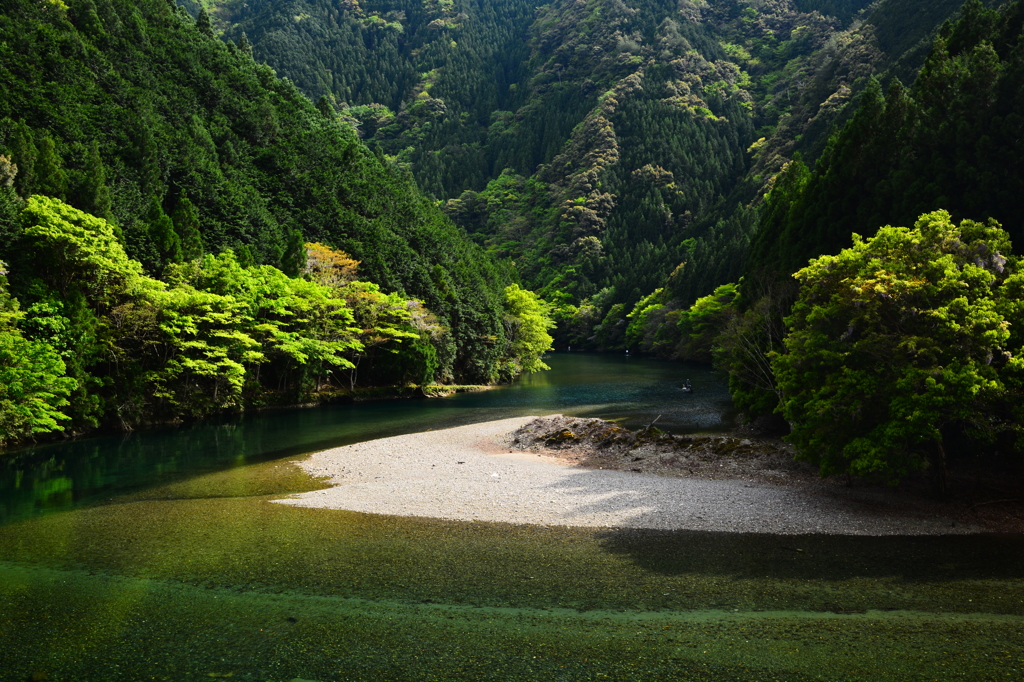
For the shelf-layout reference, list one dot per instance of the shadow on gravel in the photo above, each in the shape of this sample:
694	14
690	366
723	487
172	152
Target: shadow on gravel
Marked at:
824	557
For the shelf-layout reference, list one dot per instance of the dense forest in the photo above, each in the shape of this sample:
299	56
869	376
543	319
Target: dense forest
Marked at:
658	172
576	139
900	347
182	232
214	204
608	150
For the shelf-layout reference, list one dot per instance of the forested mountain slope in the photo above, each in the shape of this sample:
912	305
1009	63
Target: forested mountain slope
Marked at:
126	109
609	148
182	233
952	140
889	39
639	119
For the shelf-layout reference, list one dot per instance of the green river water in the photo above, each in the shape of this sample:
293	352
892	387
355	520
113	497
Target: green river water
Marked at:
157	556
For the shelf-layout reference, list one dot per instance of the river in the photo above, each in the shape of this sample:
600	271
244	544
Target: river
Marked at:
156	555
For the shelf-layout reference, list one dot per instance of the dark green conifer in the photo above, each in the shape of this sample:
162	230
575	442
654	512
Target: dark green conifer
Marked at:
204	24
94	195
294	258
161	231
323	105
244	46
51	178
149	166
244	255
24	155
186	224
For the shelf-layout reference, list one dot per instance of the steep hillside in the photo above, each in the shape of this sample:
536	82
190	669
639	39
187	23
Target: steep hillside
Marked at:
888	39
126	109
950	141
608	148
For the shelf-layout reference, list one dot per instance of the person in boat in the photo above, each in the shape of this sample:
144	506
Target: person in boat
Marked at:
687	387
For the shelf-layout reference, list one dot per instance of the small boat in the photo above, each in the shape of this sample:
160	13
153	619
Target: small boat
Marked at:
687	387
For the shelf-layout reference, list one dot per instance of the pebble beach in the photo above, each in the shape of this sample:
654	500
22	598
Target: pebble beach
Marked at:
470	473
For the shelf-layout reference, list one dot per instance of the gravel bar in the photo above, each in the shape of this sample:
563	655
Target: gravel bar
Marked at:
466	474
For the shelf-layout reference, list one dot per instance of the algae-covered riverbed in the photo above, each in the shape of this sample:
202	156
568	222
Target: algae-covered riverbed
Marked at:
206	578
202	577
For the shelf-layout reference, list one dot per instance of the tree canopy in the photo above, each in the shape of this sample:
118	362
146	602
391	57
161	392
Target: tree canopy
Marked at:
527	325
33	385
131	112
896	340
101	342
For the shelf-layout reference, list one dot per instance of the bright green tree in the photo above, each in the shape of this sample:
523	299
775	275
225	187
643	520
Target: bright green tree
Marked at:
304	329
412	335
80	274
72	251
382	322
204	348
638	318
893	343
526	328
33	385
704	320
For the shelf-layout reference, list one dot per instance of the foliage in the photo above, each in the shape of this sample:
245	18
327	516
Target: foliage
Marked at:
385	321
749	338
130	111
640	316
702	323
597	145
951	140
329	267
33	385
601	147
302	329
73	251
72	274
893	342
215	335
526	327
200	336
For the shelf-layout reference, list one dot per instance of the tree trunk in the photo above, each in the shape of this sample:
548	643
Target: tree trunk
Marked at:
352	374
940	472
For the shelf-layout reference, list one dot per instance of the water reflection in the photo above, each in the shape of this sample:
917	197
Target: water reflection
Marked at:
634	390
198	576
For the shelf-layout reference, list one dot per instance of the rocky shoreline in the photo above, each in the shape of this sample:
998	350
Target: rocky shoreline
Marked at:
601	444
986	499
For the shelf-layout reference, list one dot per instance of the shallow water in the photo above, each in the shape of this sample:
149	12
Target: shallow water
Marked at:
633	390
198	576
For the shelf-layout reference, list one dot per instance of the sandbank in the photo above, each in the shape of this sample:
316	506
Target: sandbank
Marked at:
469	473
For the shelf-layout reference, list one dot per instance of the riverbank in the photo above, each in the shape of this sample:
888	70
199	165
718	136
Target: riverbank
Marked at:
368	394
489	472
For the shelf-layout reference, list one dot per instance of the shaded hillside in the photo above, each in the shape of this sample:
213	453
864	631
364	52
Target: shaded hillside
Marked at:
416	77
950	141
887	38
469	93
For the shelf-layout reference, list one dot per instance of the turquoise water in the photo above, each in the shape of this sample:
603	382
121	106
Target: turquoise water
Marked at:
159	556
634	390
